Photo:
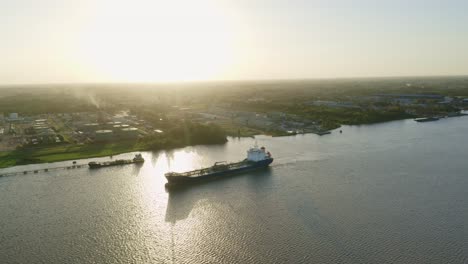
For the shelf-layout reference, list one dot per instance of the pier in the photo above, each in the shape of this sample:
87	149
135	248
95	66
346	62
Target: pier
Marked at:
36	171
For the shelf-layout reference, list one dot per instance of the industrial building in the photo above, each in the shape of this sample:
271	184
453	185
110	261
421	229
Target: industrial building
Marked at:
110	125
14	117
129	133
104	135
42	128
90	127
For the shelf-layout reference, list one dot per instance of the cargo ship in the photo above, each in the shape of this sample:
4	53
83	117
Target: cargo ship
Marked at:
96	165
256	158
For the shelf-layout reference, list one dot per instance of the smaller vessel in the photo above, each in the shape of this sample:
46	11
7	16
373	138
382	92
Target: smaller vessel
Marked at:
137	159
426	119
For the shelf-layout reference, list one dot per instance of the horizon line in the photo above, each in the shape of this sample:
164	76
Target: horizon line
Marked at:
233	80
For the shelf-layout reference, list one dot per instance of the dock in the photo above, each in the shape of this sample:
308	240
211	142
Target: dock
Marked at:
44	170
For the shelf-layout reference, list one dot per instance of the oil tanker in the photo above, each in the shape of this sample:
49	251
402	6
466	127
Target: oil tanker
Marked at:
256	158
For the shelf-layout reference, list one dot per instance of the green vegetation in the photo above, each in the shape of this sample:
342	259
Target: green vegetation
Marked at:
180	136
205	113
64	152
234	130
331	118
184	134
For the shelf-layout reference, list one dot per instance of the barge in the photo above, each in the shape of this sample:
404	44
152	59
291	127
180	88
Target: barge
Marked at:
96	165
426	119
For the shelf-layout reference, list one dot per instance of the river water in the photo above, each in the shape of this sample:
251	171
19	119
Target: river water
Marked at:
388	193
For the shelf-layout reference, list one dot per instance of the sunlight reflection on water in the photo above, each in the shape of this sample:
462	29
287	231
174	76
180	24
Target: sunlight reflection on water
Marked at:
388	193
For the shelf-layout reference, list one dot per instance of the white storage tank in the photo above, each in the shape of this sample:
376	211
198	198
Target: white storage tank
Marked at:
104	135
129	133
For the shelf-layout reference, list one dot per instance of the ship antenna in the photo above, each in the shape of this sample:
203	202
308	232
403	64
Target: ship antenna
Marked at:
256	145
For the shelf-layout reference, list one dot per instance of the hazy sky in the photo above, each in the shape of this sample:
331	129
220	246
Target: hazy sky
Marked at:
44	41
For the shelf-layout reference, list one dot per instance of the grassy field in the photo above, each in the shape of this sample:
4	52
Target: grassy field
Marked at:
239	131
64	152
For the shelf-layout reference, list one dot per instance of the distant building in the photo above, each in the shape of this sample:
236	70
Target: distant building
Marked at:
129	133
334	104
414	96
90	127
110	125
448	99
13	116
41	130
104	135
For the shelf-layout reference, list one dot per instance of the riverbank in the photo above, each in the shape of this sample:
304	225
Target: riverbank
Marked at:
74	152
64	152
180	135
25	156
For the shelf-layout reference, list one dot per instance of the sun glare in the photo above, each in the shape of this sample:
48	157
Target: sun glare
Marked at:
160	40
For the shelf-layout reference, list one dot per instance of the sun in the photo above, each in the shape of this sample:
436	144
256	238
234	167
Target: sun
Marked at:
146	41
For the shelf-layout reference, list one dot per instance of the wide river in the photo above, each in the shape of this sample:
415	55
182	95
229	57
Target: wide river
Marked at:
388	193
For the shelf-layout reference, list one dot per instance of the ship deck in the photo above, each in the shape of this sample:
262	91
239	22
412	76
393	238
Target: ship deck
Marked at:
205	171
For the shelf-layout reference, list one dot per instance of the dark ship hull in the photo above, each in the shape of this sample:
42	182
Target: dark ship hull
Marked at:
426	119
109	164
96	165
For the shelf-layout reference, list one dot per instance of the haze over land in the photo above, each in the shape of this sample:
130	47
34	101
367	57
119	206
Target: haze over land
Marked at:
159	69
233	131
155	41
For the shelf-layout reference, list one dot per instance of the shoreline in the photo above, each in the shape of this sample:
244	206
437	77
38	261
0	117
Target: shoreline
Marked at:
9	159
52	156
14	158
